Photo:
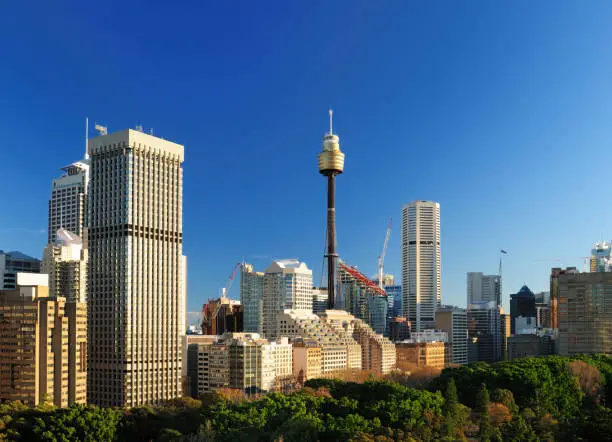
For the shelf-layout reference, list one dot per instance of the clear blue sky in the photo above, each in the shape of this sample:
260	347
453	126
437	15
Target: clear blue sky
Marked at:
500	111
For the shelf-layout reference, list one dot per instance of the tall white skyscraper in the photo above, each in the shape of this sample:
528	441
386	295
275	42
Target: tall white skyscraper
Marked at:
287	286
67	206
136	275
421	263
483	288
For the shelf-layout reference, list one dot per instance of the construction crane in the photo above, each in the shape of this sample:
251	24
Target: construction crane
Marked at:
230	280
381	258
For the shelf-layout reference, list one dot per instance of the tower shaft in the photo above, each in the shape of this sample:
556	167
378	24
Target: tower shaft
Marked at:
331	240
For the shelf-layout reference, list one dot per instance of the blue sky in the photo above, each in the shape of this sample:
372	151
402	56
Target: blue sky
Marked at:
501	112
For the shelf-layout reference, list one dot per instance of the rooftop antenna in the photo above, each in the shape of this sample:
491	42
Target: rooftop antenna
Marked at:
86	137
331	114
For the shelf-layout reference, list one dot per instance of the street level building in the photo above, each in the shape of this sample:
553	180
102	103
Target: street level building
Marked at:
521	346
136	291
421	263
411	355
307	360
43	343
190	362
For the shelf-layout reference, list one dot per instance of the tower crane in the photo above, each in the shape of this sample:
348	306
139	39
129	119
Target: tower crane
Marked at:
381	258
211	308
230	280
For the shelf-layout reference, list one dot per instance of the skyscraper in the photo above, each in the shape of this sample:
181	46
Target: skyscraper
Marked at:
65	261
12	263
67	206
483	288
251	298
287	285
453	320
421	263
136	287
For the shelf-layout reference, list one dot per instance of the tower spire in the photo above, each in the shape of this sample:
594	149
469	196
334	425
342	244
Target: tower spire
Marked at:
331	115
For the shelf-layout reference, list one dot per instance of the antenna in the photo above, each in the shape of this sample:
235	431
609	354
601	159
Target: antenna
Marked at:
331	114
86	137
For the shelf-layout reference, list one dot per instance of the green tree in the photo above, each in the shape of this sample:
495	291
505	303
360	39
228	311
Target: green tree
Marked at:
485	431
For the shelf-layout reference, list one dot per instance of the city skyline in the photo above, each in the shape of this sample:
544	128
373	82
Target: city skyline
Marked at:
494	105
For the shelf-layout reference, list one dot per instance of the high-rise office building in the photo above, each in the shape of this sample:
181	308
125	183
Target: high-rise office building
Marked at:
287	285
585	313
12	263
523	314
136	287
65	261
362	298
43	343
485	332
251	298
600	260
421	263
68	203
554	293
319	300
453	320
483	288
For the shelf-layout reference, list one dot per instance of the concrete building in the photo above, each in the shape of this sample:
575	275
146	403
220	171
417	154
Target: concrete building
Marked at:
319	300
523	315
585	313
43	342
338	352
542	305
484	331
361	297
244	361
65	262
453	321
251	297
191	361
12	263
554	293
485	288
411	355
505	334
377	352
421	263
287	286
521	346
399	329
600	260
136	295
221	316
307	360
68	203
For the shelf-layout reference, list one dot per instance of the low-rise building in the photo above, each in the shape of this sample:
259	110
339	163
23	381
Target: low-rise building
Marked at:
307	360
421	354
190	361
399	329
521	346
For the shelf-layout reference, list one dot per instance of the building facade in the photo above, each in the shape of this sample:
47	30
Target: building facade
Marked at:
287	285
523	314
484	332
554	293
585	313
411	355
399	329
453	321
319	300
43	345
12	263
522	346
307	360
65	262
421	263
362	298
251	297
136	289
485	288
68	203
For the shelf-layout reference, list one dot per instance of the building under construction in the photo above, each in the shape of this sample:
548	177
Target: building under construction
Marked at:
361	297
221	316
